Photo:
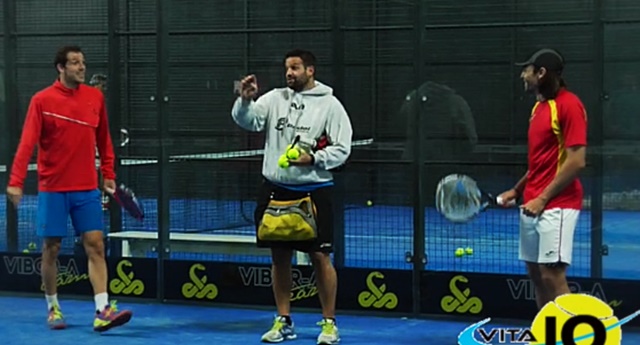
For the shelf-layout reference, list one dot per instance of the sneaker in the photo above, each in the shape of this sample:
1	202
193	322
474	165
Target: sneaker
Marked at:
110	317
329	334
56	319
279	332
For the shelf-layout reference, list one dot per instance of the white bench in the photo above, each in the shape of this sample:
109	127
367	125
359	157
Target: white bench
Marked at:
138	243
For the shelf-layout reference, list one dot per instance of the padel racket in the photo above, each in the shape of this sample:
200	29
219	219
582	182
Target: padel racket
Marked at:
459	199
125	197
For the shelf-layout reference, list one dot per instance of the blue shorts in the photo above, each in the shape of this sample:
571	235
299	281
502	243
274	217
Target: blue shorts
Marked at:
55	208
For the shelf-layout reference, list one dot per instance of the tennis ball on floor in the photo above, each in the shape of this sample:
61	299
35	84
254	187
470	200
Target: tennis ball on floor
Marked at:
566	306
25	251
459	252
293	153
469	251
369	203
283	162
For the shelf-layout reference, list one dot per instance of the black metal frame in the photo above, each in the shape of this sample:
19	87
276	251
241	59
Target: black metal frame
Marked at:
419	255
597	140
419	167
163	98
338	63
115	109
11	110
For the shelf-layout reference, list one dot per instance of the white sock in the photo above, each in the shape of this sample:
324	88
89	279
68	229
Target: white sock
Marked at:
52	300
102	299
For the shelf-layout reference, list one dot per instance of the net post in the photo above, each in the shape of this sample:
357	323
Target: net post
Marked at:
12	126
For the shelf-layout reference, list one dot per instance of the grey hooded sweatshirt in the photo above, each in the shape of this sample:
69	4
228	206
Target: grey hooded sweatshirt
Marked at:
283	114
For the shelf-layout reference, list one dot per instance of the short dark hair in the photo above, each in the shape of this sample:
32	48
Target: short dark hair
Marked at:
61	55
307	57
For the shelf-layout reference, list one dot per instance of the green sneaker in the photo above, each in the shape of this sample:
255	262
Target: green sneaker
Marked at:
279	332
56	319
329	334
110	317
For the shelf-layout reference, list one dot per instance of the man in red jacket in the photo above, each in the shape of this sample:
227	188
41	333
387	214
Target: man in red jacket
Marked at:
66	121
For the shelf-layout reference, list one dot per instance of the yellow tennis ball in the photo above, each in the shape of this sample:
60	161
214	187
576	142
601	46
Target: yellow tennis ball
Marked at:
566	306
459	252
32	246
293	153
469	251
369	203
283	162
25	250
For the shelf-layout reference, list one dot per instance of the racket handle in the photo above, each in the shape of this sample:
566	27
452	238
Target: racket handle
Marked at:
500	202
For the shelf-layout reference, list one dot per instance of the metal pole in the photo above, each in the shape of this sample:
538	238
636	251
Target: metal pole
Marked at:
374	73
338	87
12	129
163	131
419	252
597	140
113	92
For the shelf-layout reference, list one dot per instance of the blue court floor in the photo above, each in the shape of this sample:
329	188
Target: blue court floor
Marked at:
22	322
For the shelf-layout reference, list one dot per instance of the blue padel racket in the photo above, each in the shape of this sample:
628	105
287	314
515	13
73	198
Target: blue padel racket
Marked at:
459	199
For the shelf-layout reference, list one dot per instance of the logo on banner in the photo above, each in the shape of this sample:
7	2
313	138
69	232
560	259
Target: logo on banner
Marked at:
525	289
460	300
303	287
199	287
571	319
68	274
377	295
125	283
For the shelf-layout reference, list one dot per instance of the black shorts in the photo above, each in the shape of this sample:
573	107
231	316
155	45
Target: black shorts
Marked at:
322	198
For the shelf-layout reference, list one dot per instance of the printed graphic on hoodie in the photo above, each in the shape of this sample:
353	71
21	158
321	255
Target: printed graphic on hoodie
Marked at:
283	114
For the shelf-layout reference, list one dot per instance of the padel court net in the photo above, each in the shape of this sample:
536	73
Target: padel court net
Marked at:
214	193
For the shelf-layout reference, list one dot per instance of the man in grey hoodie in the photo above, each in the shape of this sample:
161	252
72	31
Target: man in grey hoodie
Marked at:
305	109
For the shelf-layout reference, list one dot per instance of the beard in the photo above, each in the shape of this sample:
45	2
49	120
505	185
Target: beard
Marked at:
530	86
296	84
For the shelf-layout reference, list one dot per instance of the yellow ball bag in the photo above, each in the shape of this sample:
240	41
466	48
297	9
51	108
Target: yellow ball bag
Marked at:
291	220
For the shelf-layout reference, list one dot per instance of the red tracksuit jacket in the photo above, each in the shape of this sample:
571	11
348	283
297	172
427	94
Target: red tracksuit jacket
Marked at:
67	125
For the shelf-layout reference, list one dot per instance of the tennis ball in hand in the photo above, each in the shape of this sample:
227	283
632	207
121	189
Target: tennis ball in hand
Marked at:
293	153
283	162
459	252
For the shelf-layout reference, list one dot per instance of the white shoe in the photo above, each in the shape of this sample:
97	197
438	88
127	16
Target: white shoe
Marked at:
279	332
329	334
